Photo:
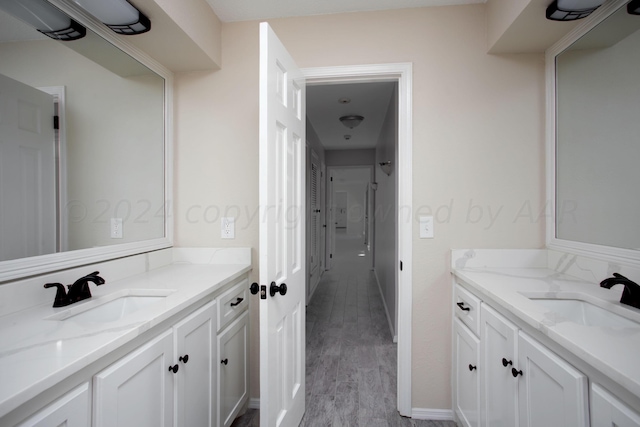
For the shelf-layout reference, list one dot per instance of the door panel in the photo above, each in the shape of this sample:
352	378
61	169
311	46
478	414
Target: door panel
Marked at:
282	234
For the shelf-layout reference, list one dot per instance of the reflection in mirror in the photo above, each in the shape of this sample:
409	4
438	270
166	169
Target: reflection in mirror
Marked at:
98	179
597	131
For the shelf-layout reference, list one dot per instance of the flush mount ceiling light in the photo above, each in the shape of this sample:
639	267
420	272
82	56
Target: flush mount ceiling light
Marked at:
119	15
45	18
634	7
570	10
351	121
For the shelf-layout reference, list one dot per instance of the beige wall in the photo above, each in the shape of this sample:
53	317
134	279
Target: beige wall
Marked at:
477	138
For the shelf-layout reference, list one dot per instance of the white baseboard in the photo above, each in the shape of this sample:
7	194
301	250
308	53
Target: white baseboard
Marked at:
386	310
254	403
432	414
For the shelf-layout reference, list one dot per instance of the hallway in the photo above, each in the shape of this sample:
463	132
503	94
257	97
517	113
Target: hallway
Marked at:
351	358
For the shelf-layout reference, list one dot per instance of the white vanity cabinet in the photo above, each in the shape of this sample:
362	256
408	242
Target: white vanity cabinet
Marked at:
233	369
550	391
138	389
466	376
520	382
499	393
71	410
608	411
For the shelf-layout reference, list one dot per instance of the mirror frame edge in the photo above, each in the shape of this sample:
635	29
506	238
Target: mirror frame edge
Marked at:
606	253
24	267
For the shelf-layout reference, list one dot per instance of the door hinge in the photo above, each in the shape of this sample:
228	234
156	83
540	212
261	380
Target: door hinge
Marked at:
330	255
331	178
400	265
56	122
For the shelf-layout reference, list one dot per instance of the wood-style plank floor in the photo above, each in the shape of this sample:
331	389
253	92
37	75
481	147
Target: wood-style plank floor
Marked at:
350	354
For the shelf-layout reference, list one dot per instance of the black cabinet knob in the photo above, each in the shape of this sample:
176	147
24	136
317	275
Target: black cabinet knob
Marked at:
254	288
238	301
471	367
506	362
515	372
274	289
174	368
184	359
462	307
224	361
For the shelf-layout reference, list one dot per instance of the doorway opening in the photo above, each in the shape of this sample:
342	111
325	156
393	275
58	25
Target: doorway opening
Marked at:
395	149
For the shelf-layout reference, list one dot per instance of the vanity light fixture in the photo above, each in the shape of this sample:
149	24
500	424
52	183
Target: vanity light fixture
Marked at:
119	15
634	7
351	121
386	167
570	10
45	18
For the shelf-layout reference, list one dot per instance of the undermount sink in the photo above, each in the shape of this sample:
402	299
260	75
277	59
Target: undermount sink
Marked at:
114	307
585	313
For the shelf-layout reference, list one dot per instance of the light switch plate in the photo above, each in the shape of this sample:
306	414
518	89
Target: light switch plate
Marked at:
228	228
116	228
426	227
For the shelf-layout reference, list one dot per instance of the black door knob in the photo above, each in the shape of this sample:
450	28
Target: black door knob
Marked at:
471	367
224	361
515	372
184	359
174	368
254	288
506	362
274	289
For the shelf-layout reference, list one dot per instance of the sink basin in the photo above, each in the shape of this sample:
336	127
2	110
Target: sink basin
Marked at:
585	313
114	307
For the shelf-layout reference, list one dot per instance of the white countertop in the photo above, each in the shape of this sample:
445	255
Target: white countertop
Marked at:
36	354
613	352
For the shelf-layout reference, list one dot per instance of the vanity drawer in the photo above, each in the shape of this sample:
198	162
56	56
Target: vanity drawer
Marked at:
232	303
467	308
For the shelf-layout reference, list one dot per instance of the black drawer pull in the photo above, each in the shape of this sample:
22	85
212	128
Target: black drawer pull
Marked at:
174	368
224	361
184	359
515	372
506	362
471	367
238	301
462	307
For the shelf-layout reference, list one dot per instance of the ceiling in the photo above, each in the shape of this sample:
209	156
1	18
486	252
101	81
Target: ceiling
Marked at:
249	10
324	109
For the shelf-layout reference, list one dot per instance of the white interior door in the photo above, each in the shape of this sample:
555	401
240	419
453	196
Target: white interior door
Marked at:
27	171
282	234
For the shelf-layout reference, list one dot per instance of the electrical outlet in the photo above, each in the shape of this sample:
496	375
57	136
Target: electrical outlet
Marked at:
116	228
228	228
426	227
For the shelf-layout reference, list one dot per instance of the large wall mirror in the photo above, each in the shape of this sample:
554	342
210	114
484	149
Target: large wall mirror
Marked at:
595	143
94	186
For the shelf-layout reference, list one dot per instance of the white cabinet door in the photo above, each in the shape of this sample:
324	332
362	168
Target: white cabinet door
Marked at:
550	391
498	342
467	384
195	346
138	389
608	411
71	410
233	369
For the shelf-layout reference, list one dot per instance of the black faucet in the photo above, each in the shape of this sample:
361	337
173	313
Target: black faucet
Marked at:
631	292
77	292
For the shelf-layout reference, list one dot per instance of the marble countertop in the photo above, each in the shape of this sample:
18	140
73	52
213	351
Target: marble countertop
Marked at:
36	353
612	351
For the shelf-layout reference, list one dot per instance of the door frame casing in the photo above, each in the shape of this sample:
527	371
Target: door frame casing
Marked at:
403	74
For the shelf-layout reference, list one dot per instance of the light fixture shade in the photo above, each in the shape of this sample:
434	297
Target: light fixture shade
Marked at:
119	15
570	10
386	167
351	121
45	18
634	7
